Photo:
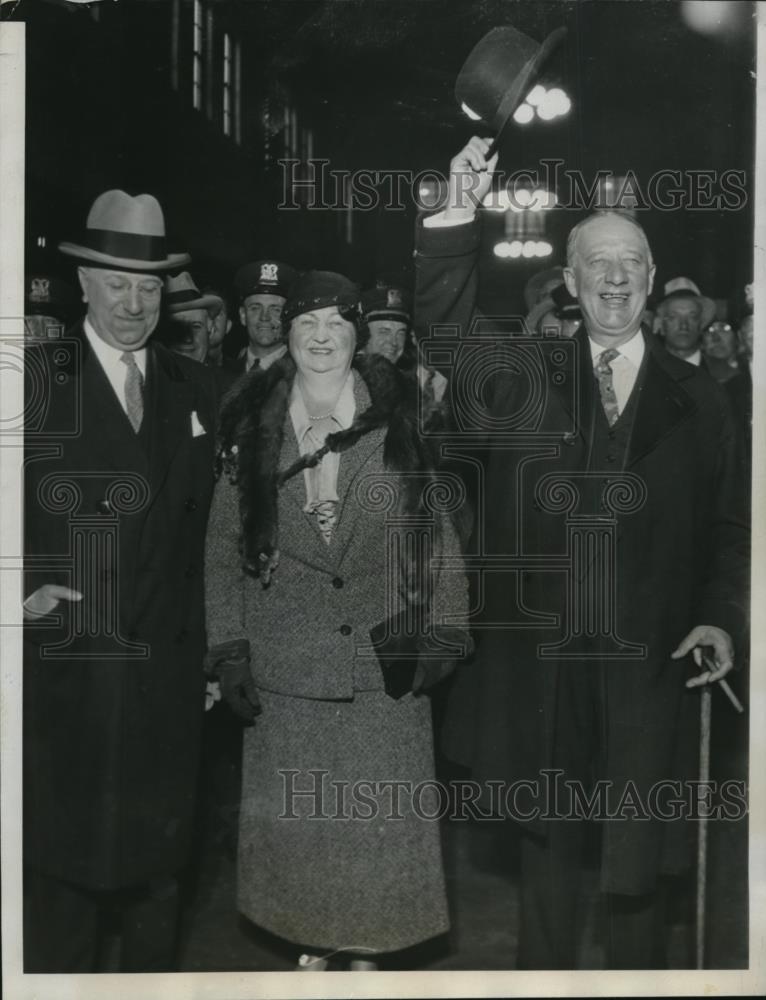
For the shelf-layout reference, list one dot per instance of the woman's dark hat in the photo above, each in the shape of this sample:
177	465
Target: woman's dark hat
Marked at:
125	234
499	73
387	302
264	277
317	289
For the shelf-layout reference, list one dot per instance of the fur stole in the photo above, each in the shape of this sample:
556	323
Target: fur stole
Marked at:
251	439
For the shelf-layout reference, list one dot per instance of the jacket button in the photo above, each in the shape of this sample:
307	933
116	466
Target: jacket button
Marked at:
569	438
345	630
190	505
104	507
181	635
189	572
611	458
337	582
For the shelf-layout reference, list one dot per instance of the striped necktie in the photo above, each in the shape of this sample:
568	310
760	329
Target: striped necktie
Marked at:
134	390
603	372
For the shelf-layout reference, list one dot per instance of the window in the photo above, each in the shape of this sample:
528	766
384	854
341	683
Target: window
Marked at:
237	93
227	84
209	74
197	56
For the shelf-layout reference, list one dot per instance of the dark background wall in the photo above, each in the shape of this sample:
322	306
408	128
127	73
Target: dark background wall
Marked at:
372	82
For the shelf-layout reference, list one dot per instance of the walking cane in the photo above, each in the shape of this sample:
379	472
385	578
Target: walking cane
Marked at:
705	712
705	705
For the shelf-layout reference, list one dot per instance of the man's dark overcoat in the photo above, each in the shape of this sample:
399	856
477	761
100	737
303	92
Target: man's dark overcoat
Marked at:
680	561
114	692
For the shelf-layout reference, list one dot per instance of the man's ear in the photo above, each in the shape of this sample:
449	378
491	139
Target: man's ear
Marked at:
652	272
569	281
228	326
241	317
82	277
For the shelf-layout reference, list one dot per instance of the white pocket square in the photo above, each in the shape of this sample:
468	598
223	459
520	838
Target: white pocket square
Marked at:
197	429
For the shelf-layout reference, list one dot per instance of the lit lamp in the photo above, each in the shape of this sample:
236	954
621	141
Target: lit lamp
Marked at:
525	225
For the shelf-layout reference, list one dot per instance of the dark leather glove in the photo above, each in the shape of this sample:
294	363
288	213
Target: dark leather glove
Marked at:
229	664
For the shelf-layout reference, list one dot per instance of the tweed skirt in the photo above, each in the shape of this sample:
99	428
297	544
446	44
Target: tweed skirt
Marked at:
333	853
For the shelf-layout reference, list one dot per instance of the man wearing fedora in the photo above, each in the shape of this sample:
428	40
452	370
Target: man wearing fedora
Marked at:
629	446
116	502
681	316
262	287
190	317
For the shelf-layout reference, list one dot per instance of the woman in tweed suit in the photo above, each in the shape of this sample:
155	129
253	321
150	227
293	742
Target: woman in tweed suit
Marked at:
308	620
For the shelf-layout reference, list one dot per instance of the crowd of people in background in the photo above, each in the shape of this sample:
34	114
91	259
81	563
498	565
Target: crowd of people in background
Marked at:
231	330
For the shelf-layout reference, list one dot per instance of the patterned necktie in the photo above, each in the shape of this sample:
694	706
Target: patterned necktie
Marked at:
134	390
603	372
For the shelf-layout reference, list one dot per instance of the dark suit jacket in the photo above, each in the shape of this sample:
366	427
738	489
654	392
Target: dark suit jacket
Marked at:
680	560
113	687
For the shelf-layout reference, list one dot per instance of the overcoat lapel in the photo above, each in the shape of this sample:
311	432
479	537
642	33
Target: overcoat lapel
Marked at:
353	464
171	400
573	385
301	527
662	403
662	406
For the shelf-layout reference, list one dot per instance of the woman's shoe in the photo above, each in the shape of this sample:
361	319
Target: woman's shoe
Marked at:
311	963
362	965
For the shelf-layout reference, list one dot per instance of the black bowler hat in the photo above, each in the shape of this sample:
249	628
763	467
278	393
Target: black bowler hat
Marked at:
264	277
317	289
387	302
499	72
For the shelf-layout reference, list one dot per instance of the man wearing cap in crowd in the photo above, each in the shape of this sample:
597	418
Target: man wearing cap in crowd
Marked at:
551	693
387	311
190	317
262	287
681	316
49	306
118	484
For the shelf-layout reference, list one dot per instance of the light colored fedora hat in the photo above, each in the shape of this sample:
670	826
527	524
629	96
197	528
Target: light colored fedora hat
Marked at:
181	294
684	287
127	234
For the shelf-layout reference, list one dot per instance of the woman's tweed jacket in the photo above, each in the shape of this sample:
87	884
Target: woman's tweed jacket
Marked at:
376	884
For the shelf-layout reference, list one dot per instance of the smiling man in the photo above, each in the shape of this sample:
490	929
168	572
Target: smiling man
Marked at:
116	504
585	666
263	286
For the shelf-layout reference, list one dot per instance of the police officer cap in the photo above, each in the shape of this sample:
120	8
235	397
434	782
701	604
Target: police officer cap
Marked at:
264	277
